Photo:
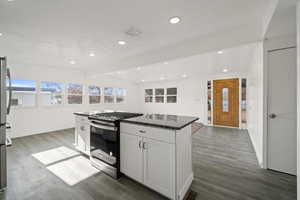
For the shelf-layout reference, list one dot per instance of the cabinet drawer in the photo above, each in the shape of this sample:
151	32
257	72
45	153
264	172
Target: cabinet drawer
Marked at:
81	120
161	134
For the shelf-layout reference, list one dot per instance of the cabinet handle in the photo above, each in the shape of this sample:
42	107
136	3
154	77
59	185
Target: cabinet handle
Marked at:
140	144
141	131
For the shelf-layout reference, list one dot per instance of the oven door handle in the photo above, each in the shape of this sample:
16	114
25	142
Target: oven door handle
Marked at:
103	127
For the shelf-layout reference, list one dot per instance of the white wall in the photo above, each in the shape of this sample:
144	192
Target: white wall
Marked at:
255	102
191	96
192	91
39	119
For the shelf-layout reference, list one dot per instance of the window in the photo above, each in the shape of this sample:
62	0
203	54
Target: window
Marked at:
171	95
108	95
225	100
243	102
120	95
75	92
148	95
23	93
209	102
159	95
94	94
51	93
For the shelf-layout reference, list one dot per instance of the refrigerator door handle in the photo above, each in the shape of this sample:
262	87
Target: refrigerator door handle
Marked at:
10	91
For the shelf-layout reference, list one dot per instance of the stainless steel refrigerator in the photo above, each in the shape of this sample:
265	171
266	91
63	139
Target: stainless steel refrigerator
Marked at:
4	111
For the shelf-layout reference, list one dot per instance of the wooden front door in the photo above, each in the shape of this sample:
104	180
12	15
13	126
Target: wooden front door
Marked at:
226	102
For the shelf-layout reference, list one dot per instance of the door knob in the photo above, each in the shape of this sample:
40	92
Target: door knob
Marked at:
272	115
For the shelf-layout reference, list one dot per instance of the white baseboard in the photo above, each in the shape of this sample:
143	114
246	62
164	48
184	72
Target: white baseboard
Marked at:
258	157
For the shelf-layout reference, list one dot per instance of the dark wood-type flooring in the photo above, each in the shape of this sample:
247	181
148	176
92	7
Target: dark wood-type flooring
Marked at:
224	162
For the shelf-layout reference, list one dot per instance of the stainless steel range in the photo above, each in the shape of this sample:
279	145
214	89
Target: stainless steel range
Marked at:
105	141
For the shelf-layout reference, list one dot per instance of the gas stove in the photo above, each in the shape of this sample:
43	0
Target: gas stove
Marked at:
113	116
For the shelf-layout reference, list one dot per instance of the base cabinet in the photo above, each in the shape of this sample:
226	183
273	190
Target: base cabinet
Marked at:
159	166
82	134
150	162
160	159
131	156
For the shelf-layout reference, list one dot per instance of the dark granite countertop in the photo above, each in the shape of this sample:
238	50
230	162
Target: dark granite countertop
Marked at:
86	114
175	122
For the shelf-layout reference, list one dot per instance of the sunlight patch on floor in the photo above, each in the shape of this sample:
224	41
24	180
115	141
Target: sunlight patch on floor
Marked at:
68	165
74	170
55	155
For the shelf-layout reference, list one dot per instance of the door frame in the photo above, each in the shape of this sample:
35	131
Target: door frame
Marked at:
240	99
266	105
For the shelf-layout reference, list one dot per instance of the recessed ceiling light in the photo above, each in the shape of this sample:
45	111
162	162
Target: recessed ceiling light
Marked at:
92	54
72	62
225	70
143	80
121	42
162	78
10	0
220	52
138	68
166	63
174	20
184	76
118	72
1	34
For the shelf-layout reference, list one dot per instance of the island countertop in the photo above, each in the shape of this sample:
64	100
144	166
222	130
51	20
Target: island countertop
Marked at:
175	122
87	113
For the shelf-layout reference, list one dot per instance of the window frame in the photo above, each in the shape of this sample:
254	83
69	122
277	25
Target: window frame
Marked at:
146	95
123	95
171	95
63	94
94	95
70	94
163	95
35	93
106	95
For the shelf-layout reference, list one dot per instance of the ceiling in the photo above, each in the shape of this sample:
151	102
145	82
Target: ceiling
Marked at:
51	33
236	61
283	21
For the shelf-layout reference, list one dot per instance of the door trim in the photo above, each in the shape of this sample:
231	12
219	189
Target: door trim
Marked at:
265	155
291	47
238	102
241	126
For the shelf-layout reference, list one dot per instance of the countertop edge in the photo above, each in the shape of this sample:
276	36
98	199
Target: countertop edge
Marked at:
159	125
82	114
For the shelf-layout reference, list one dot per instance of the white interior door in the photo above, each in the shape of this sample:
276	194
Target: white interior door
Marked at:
282	110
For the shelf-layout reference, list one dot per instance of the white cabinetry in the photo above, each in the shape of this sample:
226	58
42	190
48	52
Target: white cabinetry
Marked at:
82	134
159	164
150	156
132	156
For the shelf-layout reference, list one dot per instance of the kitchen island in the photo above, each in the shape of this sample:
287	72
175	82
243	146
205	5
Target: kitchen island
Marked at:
154	149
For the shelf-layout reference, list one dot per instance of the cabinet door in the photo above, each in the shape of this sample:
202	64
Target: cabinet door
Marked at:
131	156
81	136
159	166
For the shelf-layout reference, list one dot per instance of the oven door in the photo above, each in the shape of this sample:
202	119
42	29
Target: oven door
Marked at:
104	142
